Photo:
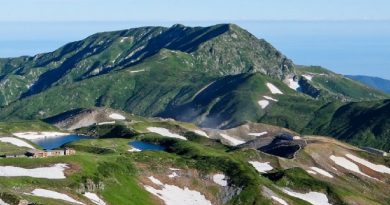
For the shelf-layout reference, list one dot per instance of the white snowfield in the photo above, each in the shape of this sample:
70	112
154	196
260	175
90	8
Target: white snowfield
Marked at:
311	172
16	141
322	172
173	195
201	133
293	84
376	167
263	103
137	71
117	116
308	77
54	195
261	167
165	132
3	203
94	198
231	140
106	123
38	135
220	179
257	134
54	172
273	89
173	175
270	98
315	198
133	149
279	200
346	164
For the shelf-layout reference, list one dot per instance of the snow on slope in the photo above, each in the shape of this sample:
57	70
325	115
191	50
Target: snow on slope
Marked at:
38	135
263	103
220	179
54	195
293	84
259	134
322	172
54	172
346	164
117	116
273	89
137	71
173	195
3	203
231	140
261	167
308	77
314	198
16	141
165	132
94	198
376	167
270	98
201	133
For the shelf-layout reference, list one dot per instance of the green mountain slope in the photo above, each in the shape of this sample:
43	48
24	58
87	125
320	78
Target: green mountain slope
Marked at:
361	123
374	82
108	166
213	76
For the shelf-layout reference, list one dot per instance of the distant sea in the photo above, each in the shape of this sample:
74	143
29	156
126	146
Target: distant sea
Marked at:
347	47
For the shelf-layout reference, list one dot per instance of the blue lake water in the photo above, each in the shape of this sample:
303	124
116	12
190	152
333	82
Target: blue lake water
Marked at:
55	142
146	146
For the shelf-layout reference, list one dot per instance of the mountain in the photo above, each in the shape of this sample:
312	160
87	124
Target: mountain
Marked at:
216	77
374	82
197	166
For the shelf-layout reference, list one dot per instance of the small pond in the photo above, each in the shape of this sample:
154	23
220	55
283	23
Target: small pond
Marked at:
50	143
146	146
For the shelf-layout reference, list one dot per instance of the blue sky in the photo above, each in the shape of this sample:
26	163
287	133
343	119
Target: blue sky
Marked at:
347	36
195	10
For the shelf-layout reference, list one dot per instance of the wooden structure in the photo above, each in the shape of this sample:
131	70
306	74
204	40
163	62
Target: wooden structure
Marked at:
50	153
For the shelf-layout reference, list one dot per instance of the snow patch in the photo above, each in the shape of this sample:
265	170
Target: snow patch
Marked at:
346	164
54	172
311	172
315	198
376	167
279	200
173	195
137	71
39	135
261	167
220	179
3	203
257	134
231	140
106	123
16	141
94	198
133	149
322	172
54	195
263	103
173	175
308	77
273	89
165	132
270	98
123	39
200	132
293	84
117	116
